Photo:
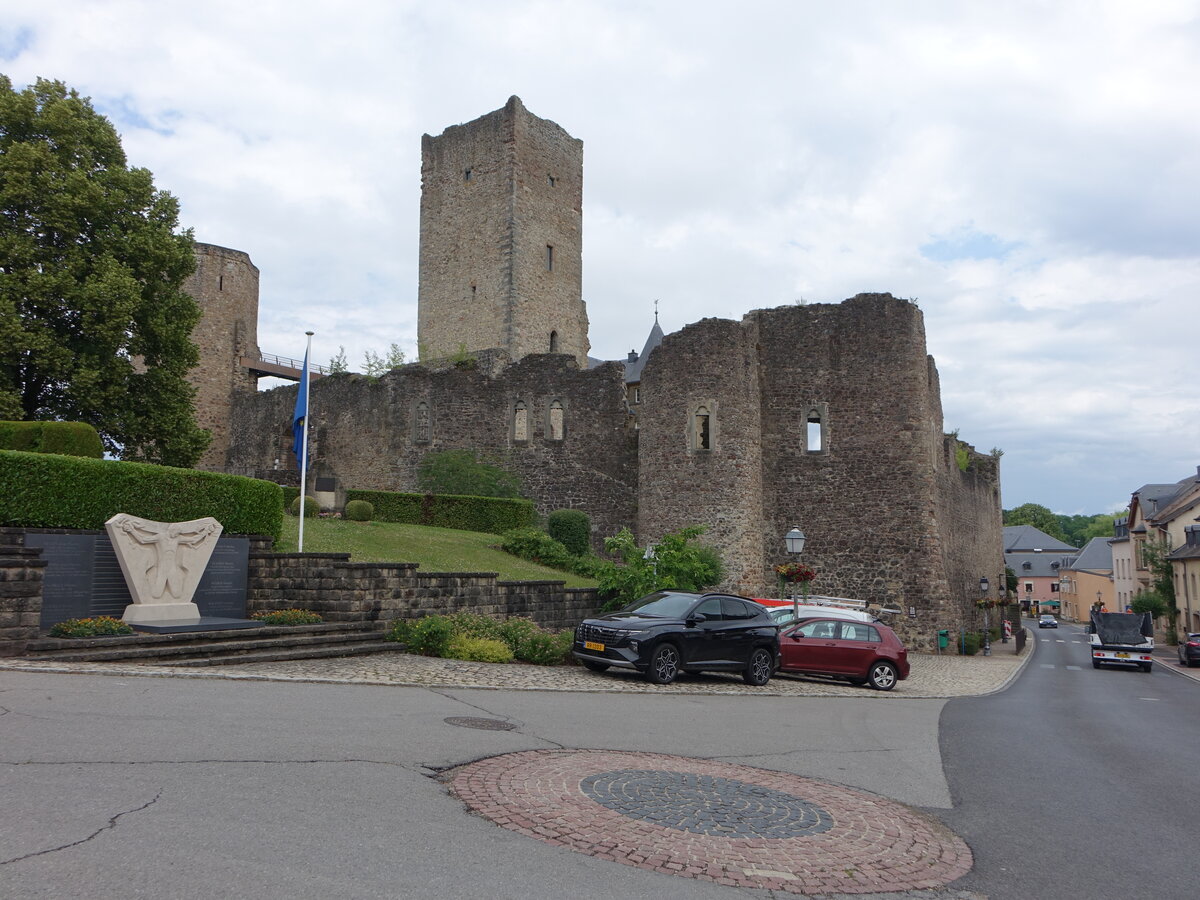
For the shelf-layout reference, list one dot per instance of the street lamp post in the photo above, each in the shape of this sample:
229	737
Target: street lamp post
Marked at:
794	540
987	635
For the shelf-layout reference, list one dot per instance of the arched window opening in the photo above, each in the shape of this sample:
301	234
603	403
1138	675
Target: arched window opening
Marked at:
813	436
554	342
556	421
702	429
520	422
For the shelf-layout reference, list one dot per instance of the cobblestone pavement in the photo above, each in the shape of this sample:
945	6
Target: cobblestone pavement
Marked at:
931	677
731	824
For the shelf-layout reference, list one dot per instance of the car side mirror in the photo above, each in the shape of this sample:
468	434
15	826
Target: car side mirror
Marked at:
696	619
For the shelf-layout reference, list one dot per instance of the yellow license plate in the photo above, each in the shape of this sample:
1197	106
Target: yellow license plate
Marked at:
1122	656
592	645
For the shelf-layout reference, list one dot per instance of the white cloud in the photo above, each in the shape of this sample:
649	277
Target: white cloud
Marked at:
1026	171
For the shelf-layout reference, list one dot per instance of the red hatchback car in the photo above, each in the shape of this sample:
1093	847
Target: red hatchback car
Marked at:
858	652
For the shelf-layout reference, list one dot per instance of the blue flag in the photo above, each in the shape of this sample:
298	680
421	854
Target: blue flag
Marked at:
299	415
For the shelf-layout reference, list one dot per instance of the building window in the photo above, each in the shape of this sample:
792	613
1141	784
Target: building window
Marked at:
701	429
555	424
816	425
554	342
1053	587
467	175
220	282
421	423
637	395
549	258
813	435
550	179
520	422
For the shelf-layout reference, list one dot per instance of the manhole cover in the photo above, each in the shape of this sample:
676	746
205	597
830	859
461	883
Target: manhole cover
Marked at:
480	723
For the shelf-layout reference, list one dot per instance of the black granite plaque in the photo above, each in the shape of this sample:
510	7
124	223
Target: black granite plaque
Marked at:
83	578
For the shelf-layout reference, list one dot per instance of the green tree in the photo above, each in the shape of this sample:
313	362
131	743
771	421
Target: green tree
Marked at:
338	364
94	323
461	472
1036	515
675	562
1159	600
374	365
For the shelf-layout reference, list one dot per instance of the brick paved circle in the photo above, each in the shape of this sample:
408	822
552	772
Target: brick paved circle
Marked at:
673	815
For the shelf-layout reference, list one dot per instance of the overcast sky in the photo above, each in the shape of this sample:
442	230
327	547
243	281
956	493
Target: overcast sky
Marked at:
1028	173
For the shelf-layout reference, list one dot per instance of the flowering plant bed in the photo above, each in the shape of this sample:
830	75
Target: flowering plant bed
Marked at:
795	573
98	626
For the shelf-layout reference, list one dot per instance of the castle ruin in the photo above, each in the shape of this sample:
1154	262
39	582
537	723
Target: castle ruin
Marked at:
825	415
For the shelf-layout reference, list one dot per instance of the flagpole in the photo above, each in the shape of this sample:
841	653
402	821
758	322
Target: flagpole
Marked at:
304	445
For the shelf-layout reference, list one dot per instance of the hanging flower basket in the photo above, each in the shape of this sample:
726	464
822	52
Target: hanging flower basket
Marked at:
795	573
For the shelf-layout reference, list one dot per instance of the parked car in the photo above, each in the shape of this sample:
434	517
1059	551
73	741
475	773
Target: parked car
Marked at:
785	615
859	652
669	632
1047	622
1189	650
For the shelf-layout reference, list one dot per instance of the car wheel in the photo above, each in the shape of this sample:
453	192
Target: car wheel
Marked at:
595	666
664	664
758	669
1146	666
1191	664
882	676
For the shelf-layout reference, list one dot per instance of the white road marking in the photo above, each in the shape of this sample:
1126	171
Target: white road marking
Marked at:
1074	668
1048	666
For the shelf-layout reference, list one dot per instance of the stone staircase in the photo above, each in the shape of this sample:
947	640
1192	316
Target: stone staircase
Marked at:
217	648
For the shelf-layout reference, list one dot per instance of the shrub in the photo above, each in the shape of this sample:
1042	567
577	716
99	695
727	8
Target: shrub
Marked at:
399	631
287	617
359	511
461	472
39	490
66	438
97	626
544	649
311	507
677	564
537	546
475	625
572	528
478	649
430	636
969	644
494	515
515	632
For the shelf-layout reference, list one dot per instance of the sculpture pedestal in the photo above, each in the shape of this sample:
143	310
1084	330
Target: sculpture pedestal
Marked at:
151	613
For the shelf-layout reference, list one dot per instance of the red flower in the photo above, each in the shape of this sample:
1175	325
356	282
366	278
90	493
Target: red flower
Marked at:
795	572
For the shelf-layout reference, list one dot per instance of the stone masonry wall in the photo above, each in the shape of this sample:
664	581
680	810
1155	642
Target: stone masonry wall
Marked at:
372	435
225	285
707	368
21	576
342	591
496	192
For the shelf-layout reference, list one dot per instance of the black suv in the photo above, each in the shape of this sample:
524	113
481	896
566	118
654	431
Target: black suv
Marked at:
667	632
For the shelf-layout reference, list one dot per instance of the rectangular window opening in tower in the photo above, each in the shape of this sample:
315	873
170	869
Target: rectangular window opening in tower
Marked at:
549	258
550	180
467	175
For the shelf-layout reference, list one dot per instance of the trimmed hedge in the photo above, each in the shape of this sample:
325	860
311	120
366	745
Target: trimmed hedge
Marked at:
65	438
495	515
47	491
572	528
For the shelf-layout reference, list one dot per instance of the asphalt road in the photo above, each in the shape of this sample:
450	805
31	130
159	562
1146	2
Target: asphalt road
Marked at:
1077	782
165	788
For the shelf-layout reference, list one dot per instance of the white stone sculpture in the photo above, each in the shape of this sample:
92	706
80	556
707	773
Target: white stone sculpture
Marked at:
162	563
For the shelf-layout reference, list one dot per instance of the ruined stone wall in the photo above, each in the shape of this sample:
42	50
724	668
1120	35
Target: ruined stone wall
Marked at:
225	285
373	434
828	417
707	369
496	193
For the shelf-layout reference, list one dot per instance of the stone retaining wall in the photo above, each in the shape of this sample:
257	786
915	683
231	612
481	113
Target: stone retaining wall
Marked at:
325	583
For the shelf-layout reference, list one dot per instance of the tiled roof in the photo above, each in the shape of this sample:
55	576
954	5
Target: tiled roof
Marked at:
1025	537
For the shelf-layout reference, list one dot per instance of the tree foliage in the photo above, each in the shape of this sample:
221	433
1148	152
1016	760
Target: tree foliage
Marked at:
94	324
375	365
674	563
1036	515
462	472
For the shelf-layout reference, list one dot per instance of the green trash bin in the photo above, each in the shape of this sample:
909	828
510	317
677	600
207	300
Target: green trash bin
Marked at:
943	639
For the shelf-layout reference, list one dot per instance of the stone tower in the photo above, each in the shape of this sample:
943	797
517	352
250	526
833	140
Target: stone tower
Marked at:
501	261
225	285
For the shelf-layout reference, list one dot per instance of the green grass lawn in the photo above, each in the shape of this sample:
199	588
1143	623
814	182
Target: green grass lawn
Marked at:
434	549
